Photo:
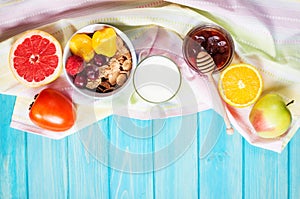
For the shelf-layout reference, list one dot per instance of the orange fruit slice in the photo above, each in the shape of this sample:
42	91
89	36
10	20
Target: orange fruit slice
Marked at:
81	45
105	42
240	85
35	58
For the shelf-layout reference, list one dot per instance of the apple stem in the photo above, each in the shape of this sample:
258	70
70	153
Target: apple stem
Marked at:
290	102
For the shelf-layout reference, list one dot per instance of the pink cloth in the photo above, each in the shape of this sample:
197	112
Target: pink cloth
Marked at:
20	15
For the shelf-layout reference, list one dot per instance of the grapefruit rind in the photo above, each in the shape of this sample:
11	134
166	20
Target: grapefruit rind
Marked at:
248	103
58	53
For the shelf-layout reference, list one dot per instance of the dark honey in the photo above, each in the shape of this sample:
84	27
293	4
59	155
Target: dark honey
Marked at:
214	40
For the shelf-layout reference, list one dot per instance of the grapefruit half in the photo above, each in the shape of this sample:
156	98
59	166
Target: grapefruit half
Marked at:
36	58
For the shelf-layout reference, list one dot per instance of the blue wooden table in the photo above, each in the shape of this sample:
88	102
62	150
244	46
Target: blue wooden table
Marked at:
32	166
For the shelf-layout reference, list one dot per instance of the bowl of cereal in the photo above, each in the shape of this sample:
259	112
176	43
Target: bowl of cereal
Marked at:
98	61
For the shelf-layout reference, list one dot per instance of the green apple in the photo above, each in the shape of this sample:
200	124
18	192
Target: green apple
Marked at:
270	116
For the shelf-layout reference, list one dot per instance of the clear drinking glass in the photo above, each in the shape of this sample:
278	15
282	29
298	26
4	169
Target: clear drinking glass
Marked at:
157	79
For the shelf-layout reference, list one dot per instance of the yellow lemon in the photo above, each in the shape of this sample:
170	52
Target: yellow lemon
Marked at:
105	42
81	45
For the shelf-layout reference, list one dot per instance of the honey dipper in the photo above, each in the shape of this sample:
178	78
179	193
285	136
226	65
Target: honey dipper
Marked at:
207	66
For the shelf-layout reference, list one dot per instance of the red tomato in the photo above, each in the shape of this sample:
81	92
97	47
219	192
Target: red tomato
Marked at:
53	111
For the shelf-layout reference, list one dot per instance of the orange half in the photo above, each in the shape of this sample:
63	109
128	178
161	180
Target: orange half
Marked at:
240	85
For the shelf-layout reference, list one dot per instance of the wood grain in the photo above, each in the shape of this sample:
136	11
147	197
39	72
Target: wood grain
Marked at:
294	167
47	167
88	178
220	173
13	154
130	177
36	167
178	178
265	173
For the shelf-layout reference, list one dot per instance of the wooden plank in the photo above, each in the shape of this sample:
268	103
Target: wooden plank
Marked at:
13	154
265	173
220	172
130	158
176	162
294	161
64	169
88	175
47	167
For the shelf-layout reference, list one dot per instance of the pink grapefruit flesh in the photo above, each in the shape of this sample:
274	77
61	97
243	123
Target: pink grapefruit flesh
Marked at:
36	58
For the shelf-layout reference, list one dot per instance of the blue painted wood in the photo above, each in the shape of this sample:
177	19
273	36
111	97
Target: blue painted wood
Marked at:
130	169
220	173
177	177
88	178
35	167
47	167
294	165
13	155
265	173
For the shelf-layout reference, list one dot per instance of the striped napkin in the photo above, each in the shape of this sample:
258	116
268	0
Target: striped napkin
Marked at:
264	37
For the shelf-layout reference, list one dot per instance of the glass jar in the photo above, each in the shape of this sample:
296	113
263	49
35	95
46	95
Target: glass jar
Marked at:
211	38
